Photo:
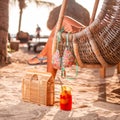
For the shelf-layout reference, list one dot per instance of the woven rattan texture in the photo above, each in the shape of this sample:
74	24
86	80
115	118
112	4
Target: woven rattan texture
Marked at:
105	33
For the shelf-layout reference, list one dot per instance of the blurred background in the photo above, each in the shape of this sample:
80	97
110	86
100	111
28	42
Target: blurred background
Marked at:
33	15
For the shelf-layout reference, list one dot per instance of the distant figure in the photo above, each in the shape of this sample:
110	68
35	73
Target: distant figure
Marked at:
9	37
38	30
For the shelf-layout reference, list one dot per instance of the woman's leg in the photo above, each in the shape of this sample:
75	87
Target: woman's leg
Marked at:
43	53
69	25
49	55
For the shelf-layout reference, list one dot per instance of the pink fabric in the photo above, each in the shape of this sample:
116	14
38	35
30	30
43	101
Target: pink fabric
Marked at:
68	58
56	60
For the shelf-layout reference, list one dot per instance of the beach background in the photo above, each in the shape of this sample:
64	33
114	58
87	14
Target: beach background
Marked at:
87	87
33	15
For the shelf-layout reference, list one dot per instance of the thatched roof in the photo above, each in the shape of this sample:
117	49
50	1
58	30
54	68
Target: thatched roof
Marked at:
74	10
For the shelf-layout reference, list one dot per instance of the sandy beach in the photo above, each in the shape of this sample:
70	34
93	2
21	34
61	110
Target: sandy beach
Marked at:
87	89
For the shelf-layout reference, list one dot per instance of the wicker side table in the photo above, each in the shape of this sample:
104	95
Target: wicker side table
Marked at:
14	45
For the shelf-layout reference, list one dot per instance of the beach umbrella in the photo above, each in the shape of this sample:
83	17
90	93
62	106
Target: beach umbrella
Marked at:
71	10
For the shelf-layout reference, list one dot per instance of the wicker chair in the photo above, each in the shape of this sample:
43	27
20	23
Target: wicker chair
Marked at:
98	45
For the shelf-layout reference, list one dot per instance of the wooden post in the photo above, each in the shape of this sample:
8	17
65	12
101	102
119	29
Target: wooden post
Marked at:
94	11
51	52
102	90
102	72
118	68
59	23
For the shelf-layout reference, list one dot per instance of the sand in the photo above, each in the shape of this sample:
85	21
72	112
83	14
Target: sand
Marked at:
87	91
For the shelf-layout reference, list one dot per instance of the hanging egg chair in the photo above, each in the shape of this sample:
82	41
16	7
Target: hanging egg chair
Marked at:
97	45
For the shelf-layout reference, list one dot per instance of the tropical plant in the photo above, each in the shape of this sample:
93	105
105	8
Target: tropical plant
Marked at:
23	4
3	30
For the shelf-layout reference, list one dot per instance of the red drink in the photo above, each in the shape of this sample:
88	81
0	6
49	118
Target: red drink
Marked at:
66	98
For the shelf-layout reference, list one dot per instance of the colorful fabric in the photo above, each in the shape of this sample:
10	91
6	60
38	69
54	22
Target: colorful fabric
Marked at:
56	60
68	58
